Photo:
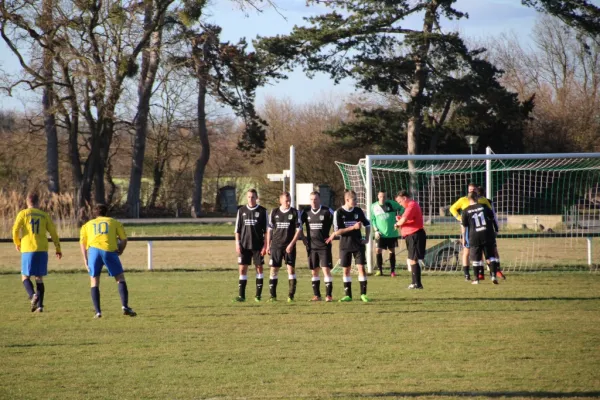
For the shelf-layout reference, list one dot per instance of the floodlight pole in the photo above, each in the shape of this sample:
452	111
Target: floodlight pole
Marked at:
292	176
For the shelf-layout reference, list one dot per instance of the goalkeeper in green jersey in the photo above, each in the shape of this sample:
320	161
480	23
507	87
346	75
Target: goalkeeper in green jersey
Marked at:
383	218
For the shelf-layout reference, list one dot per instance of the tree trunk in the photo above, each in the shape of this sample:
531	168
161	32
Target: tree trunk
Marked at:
150	61
202	75
48	100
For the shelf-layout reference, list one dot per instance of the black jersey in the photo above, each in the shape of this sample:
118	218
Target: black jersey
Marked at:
318	225
283	225
481	223
251	224
350	241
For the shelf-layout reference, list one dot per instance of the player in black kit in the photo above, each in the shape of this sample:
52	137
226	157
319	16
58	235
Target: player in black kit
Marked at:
250	246
318	221
482	235
282	234
347	222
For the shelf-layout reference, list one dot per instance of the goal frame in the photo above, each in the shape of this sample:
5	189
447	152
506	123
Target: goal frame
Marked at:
487	157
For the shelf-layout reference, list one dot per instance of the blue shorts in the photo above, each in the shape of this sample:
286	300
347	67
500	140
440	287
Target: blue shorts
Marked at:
34	263
98	258
467	237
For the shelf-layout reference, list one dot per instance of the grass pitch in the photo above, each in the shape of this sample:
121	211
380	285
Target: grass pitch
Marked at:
532	336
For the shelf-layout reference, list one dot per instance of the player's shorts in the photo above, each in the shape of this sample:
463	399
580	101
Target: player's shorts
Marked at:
34	263
98	258
320	258
477	252
415	245
387	243
251	257
466	246
347	256
280	257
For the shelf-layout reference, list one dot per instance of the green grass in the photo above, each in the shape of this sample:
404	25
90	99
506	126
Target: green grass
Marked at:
535	335
190	229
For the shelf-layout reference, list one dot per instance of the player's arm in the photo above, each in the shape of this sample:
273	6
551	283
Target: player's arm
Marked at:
464	223
375	228
492	217
337	231
407	215
51	228
16	231
83	246
303	219
456	207
365	222
290	246
122	238
238	229
269	231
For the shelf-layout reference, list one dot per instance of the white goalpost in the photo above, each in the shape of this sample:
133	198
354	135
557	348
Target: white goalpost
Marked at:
548	205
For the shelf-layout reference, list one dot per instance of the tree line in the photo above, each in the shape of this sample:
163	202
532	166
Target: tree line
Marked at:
135	89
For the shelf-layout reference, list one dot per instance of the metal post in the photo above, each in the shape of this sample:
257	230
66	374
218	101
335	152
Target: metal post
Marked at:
368	201
292	175
589	246
488	174
471	146
150	255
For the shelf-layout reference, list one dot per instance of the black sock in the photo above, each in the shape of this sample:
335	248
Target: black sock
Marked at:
40	292
273	287
380	262
292	287
418	266
259	285
242	288
316	285
348	289
466	272
392	262
28	287
124	293
329	289
363	287
494	268
96	298
413	273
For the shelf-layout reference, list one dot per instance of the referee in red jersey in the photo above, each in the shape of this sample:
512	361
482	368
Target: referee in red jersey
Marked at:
411	229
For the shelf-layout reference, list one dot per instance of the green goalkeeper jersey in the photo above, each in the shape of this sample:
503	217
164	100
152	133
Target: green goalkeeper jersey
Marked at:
383	218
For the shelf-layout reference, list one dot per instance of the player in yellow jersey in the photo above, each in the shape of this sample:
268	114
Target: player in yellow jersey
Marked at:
99	247
458	206
30	236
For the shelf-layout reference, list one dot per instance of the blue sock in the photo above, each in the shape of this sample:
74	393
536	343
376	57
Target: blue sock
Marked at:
96	298
28	287
124	294
40	292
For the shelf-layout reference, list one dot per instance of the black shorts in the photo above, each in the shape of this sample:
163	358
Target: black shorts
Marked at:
250	257
387	243
477	252
280	257
347	256
415	244
320	258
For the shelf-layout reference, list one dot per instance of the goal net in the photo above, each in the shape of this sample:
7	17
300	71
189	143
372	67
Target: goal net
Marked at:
548	206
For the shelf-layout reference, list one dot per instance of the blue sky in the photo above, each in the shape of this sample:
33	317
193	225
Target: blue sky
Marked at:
486	18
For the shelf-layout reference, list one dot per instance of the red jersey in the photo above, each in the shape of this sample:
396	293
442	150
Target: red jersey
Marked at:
414	218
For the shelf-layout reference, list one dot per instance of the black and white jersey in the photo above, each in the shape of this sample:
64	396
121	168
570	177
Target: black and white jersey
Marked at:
251	224
479	219
283	224
350	241
318	226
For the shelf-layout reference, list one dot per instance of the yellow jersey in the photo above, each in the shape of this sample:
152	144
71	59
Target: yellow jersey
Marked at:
102	233
31	229
463	203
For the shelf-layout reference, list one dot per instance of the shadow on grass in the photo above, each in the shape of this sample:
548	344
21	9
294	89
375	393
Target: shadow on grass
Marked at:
523	394
26	345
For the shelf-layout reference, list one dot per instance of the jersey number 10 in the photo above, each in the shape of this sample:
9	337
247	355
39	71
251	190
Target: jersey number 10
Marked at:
101	228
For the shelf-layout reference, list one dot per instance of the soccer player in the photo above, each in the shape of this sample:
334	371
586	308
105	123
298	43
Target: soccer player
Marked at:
455	210
30	236
383	218
481	194
102	240
347	222
250	245
482	229
282	234
411	228
318	220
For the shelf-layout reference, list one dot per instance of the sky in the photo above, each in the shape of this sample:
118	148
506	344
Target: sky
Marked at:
486	18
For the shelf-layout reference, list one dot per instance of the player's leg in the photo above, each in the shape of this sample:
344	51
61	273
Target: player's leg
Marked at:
465	258
499	273
412	259
26	265
326	267
244	259
275	263
95	265
346	262
39	270
475	256
489	252
379	257
360	260
314	264
290	260
393	243
420	245
259	262
115	269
